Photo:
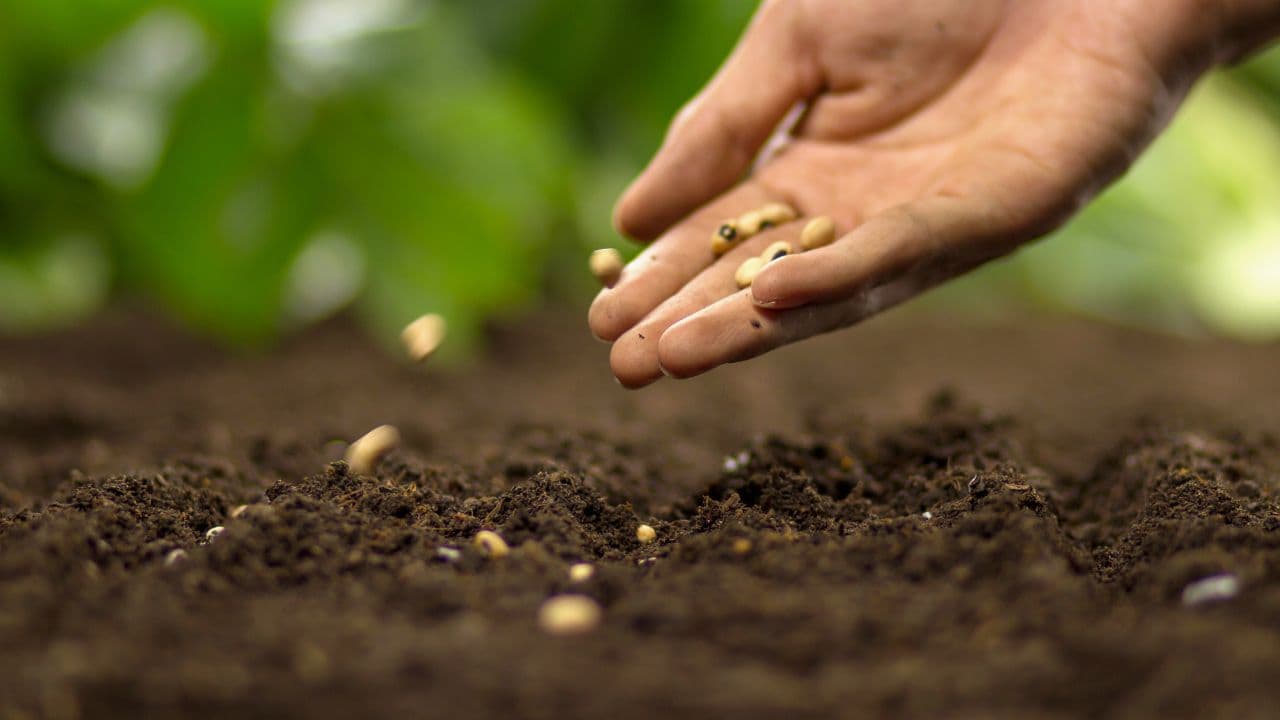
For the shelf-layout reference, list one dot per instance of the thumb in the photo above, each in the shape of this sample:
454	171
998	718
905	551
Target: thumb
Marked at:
715	137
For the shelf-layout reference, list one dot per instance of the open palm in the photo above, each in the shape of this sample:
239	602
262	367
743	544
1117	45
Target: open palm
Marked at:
937	134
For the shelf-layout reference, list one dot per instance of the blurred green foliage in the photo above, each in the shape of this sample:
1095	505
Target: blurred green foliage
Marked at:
255	166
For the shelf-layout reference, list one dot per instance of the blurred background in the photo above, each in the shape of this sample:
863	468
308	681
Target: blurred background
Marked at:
252	167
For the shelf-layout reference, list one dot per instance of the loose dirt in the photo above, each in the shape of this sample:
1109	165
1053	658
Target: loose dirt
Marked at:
920	518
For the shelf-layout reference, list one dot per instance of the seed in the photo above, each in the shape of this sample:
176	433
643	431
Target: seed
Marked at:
778	213
646	534
422	336
818	232
492	544
926	515
751	223
782	248
175	556
606	265
238	511
569	615
741	546
448	554
213	532
364	454
747	271
581	572
1222	586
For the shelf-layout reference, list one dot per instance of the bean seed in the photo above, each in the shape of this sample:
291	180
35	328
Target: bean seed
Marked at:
365	454
581	572
776	250
747	271
606	265
238	511
646	534
569	615
778	213
422	336
492	544
818	232
751	223
213	532
725	237
175	556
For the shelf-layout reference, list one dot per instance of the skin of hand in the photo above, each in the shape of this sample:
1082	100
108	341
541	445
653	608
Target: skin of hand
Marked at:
937	134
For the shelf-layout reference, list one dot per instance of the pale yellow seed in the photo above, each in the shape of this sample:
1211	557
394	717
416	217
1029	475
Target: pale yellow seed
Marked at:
238	511
778	213
492	544
776	250
817	233
741	546
725	237
750	223
569	615
747	271
606	265
364	454
581	572
646	534
422	336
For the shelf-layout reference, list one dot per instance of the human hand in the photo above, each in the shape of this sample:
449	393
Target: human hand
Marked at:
938	134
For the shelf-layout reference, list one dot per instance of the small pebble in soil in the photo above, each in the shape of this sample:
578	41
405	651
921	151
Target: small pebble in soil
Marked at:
213	532
1223	586
606	264
569	615
581	572
741	546
423	336
238	511
448	554
646	534
491	543
365	454
175	556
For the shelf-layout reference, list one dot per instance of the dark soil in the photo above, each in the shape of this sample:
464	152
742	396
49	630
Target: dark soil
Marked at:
1075	478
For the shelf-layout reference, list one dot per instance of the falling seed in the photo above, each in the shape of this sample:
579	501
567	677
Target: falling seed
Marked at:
213	532
606	265
422	336
175	556
492	544
1222	586
646	534
569	615
741	546
926	515
448	554
581	572
747	271
730	464
364	454
238	511
817	233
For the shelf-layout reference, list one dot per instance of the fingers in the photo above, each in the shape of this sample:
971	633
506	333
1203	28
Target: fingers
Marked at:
634	356
940	230
666	265
713	140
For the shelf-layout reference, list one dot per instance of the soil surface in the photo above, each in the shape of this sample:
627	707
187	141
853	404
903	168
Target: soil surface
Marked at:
919	518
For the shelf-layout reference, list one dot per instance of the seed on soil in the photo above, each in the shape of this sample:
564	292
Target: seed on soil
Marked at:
817	233
926	515
422	336
238	511
606	265
646	534
175	556
581	572
725	237
778	213
448	554
491	543
780	249
213	532
747	271
365	454
1223	586
569	615
741	546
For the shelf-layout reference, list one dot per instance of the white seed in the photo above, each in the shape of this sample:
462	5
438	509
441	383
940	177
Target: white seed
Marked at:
926	515
747	271
491	543
581	572
818	232
725	237
364	454
448	554
776	250
175	556
1223	586
238	511
606	265
422	336
213	532
569	615
646	534
778	213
